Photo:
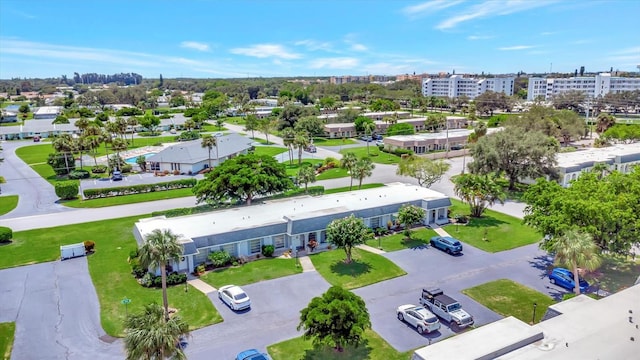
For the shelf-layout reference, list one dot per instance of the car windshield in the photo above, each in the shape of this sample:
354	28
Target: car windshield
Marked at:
431	319
454	307
240	296
456	243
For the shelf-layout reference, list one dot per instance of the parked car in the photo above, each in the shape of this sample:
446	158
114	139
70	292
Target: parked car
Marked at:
252	354
116	176
36	138
447	243
234	297
419	317
366	138
564	278
311	149
377	137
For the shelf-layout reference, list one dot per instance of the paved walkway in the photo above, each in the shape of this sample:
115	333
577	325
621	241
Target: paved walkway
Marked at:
440	231
306	264
370	249
202	286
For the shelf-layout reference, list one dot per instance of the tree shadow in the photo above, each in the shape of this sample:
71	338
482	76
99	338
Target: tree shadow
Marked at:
361	352
414	243
354	269
484	221
544	263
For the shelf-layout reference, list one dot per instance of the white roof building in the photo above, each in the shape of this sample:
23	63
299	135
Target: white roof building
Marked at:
621	157
458	85
592	86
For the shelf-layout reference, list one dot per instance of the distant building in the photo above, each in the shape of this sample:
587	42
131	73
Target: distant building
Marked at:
365	79
592	86
458	85
47	112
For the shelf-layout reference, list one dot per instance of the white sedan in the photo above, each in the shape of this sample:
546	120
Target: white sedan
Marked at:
418	317
234	297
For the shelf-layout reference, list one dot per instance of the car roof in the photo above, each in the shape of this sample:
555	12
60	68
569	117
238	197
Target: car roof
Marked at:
233	289
562	270
246	353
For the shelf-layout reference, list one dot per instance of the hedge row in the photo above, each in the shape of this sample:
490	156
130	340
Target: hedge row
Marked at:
139	189
6	234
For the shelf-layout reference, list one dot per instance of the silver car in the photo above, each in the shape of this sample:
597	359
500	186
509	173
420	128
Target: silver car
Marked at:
418	317
234	297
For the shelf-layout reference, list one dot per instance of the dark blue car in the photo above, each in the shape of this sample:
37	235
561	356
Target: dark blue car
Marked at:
252	354
564	278
446	243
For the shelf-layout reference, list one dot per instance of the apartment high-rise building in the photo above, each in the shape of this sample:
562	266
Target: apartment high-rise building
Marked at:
457	85
592	86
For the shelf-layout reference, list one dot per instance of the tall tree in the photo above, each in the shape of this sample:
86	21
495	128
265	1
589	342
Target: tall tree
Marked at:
435	121
150	337
288	140
118	145
575	249
132	122
362	169
301	141
267	125
426	171
604	122
368	129
518	154
346	233
337	318
479	191
160	248
348	162
251	123
243	178
408	215
210	142
65	144
570	100
306	175
310	124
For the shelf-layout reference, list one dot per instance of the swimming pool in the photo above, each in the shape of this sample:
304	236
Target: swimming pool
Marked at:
132	160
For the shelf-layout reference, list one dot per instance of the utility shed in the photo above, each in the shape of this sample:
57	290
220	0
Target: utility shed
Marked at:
72	250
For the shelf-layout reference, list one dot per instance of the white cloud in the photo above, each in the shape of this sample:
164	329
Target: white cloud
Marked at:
265	51
194	45
630	51
334	63
547	33
428	7
516	47
491	8
314	45
358	47
479	37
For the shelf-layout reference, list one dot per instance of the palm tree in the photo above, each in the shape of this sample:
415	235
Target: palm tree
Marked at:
82	124
301	141
575	249
368	127
65	144
121	126
132	121
159	249
118	145
362	169
306	175
151	337
288	139
348	162
209	142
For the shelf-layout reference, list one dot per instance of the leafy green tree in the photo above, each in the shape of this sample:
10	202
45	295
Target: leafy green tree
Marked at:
384	105
150	337
623	133
348	162
328	102
251	124
435	121
490	101
311	124
346	233
575	249
479	191
426	171
118	145
408	215
24	110
82	124
401	129
65	144
160	248
337	318
363	168
267	125
360	122
288	139
368	129
570	100
301	141
243	178
60	119
210	142
518	154
306	175
149	122
132	122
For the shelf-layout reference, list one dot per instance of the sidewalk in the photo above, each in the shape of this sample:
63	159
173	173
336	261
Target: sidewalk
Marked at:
371	249
201	286
306	264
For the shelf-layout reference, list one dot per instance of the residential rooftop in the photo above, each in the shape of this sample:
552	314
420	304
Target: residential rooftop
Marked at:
597	155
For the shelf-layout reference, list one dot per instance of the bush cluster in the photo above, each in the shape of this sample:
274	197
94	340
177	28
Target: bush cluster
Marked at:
221	258
137	189
67	190
188	135
396	151
79	174
6	234
99	169
150	280
267	250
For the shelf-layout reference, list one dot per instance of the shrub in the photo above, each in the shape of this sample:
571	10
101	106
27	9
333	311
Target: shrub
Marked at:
6	234
99	169
147	280
200	268
138	271
174	278
67	190
79	174
462	219
267	250
89	245
133	254
220	258
126	168
176	172
157	281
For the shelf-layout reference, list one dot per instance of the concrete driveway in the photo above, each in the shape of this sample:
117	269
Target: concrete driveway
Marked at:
56	311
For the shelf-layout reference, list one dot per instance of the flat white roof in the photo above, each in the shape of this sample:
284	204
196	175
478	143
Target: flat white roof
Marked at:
44	110
274	211
453	133
596	154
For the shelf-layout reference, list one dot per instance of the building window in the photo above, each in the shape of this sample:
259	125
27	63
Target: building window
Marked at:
231	249
278	241
375	222
255	246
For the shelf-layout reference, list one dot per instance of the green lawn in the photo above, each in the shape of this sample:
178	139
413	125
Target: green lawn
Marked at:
8	203
252	272
335	173
128	199
503	232
373	348
616	273
508	298
365	269
7	331
269	150
318	141
395	242
355	187
109	270
375	154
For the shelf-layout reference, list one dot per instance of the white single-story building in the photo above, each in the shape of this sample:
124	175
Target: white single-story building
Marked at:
47	112
289	223
190	157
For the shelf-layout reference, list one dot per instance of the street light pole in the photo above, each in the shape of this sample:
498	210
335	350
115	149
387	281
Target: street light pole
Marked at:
533	318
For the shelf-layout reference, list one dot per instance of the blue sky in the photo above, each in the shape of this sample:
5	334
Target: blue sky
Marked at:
224	38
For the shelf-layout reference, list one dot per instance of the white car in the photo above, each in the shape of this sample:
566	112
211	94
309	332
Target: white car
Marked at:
418	317
234	297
